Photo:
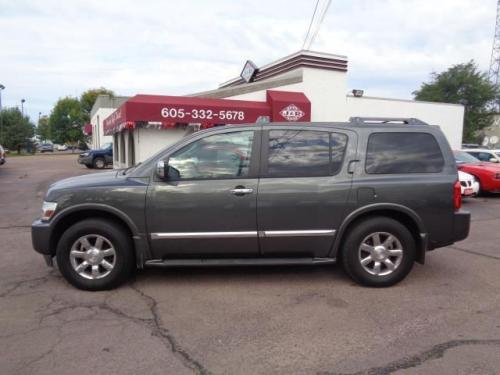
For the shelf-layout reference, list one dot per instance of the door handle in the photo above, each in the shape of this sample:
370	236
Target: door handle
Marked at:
240	190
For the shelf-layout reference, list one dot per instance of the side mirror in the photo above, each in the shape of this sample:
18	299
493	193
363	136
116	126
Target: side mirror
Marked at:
162	169
166	172
494	160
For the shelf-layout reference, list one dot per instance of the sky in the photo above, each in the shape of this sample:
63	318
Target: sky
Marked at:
52	49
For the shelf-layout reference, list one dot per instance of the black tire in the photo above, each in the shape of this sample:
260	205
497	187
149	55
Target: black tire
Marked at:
124	261
89	166
99	163
351	253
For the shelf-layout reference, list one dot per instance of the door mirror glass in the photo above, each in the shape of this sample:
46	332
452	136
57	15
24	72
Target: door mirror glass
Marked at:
161	167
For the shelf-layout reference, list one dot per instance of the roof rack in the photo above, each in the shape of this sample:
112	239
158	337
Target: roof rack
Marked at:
386	120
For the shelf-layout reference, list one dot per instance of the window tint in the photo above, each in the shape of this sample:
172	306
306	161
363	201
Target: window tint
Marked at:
217	156
295	153
403	153
484	156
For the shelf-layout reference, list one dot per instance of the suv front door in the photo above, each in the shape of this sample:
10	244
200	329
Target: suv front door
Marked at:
303	189
207	206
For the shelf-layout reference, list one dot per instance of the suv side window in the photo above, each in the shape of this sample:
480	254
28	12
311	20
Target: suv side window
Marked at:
391	153
303	153
484	156
218	156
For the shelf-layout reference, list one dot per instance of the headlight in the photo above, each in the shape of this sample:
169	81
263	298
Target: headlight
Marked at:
85	154
48	210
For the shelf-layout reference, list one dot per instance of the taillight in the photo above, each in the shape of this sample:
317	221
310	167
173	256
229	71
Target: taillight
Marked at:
457	195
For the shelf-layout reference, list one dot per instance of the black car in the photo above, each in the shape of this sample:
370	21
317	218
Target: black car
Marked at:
372	194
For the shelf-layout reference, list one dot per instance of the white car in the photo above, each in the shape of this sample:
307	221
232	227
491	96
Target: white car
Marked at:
468	184
62	148
484	154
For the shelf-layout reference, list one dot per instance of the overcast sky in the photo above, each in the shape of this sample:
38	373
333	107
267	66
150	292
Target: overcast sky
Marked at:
51	49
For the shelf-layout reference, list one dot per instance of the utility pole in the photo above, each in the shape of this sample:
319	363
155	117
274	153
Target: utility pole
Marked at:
494	71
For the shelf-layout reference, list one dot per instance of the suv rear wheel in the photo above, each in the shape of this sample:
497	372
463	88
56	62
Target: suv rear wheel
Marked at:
378	252
95	254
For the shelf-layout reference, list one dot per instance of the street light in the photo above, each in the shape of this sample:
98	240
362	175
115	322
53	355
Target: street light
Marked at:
22	106
2	87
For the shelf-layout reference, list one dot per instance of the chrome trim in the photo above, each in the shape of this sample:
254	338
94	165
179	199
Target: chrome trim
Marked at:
241	191
180	235
297	233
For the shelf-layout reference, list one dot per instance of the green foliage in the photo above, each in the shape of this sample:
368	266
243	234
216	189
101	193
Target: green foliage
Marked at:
88	98
43	129
464	84
66	121
16	129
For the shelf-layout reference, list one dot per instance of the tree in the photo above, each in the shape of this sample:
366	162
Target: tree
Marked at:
66	121
43	128
464	84
16	129
88	98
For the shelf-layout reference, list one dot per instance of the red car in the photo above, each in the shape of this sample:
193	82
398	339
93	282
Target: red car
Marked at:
488	174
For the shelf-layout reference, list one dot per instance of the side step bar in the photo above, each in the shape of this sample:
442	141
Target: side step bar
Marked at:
238	262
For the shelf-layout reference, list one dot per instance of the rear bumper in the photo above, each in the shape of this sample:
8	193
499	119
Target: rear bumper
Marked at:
461	225
40	237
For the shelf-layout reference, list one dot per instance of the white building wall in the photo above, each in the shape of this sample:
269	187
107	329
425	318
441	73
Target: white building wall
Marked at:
98	137
449	117
325	89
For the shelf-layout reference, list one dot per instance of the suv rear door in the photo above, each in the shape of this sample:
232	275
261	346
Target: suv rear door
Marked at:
303	188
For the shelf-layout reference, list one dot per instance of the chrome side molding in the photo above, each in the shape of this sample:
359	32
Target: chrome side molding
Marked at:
243	234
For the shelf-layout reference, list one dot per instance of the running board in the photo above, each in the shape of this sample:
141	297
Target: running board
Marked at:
238	262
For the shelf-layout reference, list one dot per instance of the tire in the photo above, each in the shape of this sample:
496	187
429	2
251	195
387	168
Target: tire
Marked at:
365	233
89	166
99	163
112	236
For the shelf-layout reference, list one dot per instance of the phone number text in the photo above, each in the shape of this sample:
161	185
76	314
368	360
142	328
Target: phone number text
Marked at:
202	114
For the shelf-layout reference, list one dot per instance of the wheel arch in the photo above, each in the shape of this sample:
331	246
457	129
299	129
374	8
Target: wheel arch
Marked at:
74	214
402	214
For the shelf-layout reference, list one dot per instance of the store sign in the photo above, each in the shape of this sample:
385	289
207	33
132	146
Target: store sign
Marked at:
292	113
249	71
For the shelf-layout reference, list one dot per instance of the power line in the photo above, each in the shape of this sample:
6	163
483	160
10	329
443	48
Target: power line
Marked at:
310	24
318	25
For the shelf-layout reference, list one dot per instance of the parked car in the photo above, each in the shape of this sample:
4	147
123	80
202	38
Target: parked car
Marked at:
468	184
99	158
374	196
2	155
46	147
62	148
484	155
487	174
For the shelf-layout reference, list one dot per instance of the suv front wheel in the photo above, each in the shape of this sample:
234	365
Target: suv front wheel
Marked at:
379	252
95	254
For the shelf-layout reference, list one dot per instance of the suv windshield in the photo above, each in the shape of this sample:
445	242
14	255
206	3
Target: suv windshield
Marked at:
107	145
464	157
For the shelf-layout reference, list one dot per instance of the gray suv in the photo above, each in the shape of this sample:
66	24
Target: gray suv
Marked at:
372	194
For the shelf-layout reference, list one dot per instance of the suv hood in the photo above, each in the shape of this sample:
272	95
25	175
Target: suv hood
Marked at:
88	180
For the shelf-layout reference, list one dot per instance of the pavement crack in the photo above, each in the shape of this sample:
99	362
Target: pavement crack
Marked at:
30	283
436	352
474	252
168	339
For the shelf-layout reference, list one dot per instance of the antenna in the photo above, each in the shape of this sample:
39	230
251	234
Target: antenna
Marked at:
494	71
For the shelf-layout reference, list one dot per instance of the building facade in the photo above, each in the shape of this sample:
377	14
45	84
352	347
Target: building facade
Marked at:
304	86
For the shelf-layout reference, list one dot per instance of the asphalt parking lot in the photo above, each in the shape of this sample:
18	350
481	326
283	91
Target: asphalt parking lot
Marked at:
444	318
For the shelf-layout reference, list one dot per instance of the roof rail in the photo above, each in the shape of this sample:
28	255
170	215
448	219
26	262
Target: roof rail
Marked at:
386	120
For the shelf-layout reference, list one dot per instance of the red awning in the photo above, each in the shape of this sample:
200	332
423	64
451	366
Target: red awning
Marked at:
166	111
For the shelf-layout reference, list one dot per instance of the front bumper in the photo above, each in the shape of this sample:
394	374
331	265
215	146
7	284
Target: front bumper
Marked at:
40	237
87	160
461	225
